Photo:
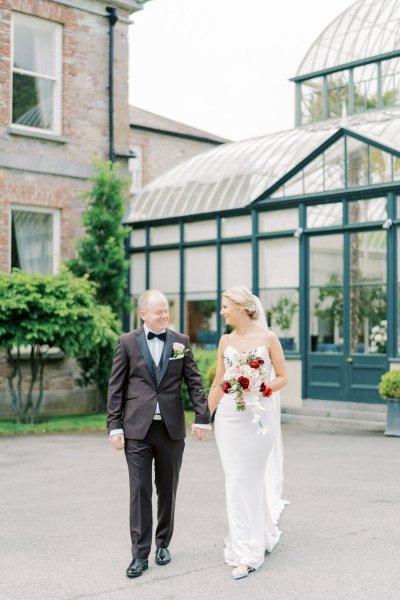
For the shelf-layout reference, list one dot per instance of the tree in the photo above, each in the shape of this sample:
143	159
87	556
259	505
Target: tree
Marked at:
39	312
101	255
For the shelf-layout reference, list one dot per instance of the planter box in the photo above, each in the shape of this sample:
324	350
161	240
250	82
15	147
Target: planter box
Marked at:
393	417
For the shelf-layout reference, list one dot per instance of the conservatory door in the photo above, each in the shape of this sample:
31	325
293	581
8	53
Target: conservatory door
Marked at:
347	316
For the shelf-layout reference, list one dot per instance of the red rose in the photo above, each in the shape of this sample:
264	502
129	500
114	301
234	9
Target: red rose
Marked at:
262	387
244	382
267	392
261	361
254	365
226	386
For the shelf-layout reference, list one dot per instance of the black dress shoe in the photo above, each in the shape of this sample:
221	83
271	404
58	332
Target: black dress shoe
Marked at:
163	556
137	566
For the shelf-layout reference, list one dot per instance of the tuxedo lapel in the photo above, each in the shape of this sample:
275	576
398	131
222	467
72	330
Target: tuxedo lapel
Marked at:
141	340
166	355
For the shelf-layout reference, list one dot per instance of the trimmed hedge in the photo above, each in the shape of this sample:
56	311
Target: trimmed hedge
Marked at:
205	360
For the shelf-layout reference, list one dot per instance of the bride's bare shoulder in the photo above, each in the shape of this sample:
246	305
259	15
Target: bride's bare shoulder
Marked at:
223	341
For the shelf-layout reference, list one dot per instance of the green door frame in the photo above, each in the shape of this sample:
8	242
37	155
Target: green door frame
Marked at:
391	293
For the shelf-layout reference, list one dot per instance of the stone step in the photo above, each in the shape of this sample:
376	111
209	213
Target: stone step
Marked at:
337	413
333	424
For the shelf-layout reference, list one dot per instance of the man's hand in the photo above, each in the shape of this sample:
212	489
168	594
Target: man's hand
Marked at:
199	433
118	441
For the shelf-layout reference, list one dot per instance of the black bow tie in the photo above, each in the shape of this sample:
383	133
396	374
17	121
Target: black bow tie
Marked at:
160	336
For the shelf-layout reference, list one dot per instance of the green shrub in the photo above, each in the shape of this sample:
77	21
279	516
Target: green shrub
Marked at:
389	386
204	360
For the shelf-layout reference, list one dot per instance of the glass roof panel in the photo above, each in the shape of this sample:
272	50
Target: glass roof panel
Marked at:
367	28
233	175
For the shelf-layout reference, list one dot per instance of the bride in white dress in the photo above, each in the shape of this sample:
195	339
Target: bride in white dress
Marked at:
250	446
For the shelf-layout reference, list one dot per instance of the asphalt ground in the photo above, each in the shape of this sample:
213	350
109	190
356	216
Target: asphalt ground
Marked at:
64	522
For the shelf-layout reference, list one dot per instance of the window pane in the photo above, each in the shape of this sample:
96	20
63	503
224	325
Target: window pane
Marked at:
338	94
365	87
235	226
362	211
201	320
368	257
380	165
391	82
278	220
326	293
34	45
326	318
326	260
164	235
396	169
314	176
236	265
295	185
32	244
201	269
357	162
334	176
32	101
282	310
368	325
200	230
311	100
138	238
138	273
279	263
164	271
324	215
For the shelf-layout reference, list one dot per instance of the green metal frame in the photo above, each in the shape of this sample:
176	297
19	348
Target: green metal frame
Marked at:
264	203
349	67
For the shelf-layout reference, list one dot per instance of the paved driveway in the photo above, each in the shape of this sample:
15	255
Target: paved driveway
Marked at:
64	523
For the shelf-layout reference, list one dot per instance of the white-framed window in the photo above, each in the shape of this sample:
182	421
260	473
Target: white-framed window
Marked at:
36	73
35	239
136	168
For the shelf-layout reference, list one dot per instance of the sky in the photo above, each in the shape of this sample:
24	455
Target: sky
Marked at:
223	66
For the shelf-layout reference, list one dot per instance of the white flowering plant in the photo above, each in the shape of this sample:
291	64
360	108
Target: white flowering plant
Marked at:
378	338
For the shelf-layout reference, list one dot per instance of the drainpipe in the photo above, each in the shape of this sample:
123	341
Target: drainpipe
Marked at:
112	18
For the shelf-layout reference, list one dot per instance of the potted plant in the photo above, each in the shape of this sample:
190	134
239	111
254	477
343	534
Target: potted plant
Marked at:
282	313
389	389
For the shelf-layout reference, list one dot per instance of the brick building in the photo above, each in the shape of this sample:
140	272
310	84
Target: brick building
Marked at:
54	118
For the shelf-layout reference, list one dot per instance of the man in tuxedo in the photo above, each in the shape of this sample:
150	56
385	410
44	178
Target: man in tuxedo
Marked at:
146	419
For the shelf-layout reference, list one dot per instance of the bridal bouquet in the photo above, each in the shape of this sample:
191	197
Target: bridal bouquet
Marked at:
246	381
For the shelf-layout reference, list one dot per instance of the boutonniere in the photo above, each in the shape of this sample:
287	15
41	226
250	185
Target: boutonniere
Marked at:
179	350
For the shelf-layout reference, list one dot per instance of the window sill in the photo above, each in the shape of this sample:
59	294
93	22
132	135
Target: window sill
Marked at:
48	136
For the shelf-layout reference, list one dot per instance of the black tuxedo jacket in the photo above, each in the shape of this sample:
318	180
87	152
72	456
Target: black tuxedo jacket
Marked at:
133	390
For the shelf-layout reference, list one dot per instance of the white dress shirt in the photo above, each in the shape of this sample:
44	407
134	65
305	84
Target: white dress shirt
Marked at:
156	347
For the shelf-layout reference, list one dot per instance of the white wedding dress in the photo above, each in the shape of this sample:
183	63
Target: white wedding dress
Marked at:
253	489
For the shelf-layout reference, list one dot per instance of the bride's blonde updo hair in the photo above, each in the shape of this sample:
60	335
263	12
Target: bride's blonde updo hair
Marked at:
242	296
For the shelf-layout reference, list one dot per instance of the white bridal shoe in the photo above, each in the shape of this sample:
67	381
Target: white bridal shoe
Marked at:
241	571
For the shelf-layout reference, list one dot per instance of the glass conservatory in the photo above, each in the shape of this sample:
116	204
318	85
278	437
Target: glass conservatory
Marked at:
308	218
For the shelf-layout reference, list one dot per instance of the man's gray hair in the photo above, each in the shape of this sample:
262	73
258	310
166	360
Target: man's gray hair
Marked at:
144	298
